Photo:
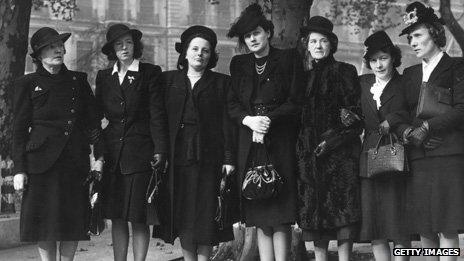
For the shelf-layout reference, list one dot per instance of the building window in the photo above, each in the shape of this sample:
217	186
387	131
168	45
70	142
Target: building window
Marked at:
148	54
84	56
85	9
147	12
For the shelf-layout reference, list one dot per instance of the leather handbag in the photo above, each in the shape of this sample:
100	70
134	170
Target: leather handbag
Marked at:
152	197
433	101
261	182
387	159
228	209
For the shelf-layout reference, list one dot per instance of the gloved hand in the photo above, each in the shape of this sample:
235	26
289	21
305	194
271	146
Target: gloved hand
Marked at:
159	161
433	143
259	124
19	181
405	135
348	117
419	134
258	137
384	128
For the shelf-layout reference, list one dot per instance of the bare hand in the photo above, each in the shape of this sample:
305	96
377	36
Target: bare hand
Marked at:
20	181
257	123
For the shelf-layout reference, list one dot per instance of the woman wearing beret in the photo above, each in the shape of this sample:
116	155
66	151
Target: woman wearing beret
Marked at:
328	145
383	199
435	194
54	113
201	145
263	100
130	98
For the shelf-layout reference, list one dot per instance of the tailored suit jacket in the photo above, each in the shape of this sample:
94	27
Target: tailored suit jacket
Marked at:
137	127
52	111
392	109
449	74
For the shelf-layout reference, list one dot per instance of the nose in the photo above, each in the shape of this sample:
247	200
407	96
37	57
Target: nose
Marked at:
378	64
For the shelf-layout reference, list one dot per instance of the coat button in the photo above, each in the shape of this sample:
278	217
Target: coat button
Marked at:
121	138
66	133
73	111
122	103
74	77
73	98
182	125
69	122
123	120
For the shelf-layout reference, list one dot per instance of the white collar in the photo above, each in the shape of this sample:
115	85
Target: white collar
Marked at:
427	68
133	67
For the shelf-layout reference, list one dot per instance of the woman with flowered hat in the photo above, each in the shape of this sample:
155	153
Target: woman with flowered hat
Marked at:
436	154
54	116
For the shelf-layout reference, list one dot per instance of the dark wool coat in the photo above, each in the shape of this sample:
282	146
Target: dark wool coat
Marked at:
449	74
50	111
329	199
216	147
282	80
137	126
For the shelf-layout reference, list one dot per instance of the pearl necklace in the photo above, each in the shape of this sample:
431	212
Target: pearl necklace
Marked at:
260	68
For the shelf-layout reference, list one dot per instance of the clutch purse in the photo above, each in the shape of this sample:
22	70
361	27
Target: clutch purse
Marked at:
152	197
261	182
433	101
228	203
96	221
386	159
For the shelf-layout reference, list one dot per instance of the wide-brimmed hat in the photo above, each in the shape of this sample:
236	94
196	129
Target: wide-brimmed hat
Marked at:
375	42
417	13
114	32
249	19
196	31
45	36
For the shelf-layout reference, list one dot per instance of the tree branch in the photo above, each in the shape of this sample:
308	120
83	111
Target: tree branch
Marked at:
456	30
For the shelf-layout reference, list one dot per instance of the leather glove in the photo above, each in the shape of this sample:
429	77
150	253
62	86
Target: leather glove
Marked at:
405	135
348	117
419	134
158	161
384	128
433	143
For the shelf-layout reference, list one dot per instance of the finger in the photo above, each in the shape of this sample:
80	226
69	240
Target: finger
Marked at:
224	169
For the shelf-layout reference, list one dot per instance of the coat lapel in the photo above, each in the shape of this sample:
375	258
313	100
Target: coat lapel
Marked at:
205	81
115	86
445	63
369	96
388	93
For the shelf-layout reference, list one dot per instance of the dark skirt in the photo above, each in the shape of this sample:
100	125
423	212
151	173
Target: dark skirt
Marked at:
55	204
383	207
272	212
343	233
124	196
436	195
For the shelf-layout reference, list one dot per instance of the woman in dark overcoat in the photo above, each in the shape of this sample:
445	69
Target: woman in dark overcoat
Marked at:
328	145
130	98
383	199
201	146
266	85
54	113
436	153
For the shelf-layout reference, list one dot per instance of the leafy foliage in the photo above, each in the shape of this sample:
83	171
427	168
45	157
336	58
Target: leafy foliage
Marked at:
365	14
62	9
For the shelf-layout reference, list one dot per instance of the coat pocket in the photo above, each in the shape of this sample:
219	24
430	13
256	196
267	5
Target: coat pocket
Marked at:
35	143
39	98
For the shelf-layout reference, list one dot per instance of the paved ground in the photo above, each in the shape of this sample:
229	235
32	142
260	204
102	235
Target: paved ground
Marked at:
100	249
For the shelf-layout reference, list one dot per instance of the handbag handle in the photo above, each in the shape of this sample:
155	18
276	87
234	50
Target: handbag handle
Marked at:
268	159
392	138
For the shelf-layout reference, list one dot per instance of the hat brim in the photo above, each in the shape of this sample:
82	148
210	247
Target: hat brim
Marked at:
308	29
136	35
371	51
61	37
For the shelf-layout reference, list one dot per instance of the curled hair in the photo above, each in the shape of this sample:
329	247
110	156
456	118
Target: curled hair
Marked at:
395	53
436	31
182	62
138	50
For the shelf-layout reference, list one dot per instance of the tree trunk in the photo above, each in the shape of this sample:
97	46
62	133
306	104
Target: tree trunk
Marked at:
456	30
14	31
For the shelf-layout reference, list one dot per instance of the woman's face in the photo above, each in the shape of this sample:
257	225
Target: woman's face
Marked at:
382	65
124	48
257	40
198	54
52	54
422	43
318	45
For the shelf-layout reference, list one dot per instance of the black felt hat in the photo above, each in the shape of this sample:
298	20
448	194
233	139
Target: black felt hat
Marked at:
319	24
377	41
417	13
114	32
249	19
196	31
45	36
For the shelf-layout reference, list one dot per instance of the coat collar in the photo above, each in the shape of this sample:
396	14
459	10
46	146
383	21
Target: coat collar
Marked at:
445	63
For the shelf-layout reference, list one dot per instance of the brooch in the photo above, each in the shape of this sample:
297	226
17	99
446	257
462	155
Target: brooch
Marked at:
131	78
411	17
